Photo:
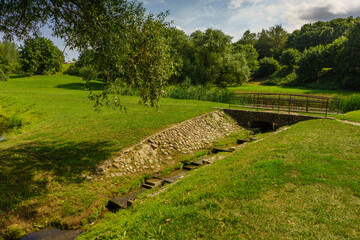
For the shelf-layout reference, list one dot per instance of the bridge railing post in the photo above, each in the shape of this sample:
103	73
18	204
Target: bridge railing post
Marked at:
327	105
289	104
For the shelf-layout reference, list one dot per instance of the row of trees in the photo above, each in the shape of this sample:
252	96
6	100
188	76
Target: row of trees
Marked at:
333	63
122	44
36	56
209	57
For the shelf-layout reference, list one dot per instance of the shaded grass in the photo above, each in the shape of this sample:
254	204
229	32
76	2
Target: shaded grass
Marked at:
61	139
302	183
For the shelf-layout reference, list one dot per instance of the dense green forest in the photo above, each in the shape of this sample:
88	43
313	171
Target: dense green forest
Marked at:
322	55
36	56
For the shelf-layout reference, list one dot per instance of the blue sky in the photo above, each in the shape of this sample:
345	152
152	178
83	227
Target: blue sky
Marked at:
234	17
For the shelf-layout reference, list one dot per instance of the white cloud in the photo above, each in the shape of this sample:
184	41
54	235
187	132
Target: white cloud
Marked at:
298	12
239	3
292	14
149	2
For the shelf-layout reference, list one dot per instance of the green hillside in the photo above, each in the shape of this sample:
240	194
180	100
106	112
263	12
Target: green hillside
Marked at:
302	183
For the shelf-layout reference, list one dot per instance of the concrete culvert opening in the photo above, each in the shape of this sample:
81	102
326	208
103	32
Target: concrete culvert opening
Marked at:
262	126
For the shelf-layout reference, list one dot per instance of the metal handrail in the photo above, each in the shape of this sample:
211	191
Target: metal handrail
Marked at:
289	102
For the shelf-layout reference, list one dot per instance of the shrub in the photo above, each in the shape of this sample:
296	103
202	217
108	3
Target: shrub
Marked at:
350	103
14	122
281	78
199	93
267	66
14	232
290	57
3	76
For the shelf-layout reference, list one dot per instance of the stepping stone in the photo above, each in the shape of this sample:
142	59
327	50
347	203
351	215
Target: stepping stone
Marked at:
242	141
210	160
199	162
173	177
155	182
123	202
190	167
54	234
217	150
147	186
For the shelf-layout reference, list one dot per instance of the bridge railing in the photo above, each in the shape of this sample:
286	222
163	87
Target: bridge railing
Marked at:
286	102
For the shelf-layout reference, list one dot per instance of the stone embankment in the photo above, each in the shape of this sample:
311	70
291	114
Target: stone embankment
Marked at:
158	151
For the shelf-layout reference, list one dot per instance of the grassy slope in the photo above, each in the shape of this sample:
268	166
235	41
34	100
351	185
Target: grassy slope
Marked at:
302	183
353	116
63	138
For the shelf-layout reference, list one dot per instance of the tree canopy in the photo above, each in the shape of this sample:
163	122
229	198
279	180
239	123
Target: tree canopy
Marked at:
313	34
271	42
128	43
40	56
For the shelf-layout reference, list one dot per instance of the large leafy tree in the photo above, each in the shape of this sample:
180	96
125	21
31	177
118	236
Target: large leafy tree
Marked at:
311	63
182	52
214	63
248	38
9	57
313	34
128	43
271	42
348	62
250	54
209	47
290	58
40	56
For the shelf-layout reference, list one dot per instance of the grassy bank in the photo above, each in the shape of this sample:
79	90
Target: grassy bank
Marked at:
350	101
61	138
302	183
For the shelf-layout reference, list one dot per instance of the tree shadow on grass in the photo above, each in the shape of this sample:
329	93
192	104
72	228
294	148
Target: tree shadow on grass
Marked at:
13	76
82	86
26	170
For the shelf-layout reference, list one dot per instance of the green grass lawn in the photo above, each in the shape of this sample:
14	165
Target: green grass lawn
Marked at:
353	116
62	137
292	90
302	183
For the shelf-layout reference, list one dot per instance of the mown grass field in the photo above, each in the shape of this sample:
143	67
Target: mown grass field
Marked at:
293	90
62	138
302	183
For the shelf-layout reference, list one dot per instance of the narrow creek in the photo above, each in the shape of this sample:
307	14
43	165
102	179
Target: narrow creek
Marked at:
159	182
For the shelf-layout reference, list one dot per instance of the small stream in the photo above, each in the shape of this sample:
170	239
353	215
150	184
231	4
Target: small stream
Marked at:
54	234
125	201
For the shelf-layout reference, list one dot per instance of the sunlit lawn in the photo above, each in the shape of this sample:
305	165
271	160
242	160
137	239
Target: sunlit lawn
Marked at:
62	137
303	183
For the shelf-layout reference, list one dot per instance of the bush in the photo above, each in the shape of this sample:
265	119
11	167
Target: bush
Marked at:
199	93
350	103
14	122
267	66
282	78
3	76
14	232
290	57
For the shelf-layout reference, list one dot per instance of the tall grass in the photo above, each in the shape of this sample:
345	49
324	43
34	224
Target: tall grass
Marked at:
200	93
350	103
